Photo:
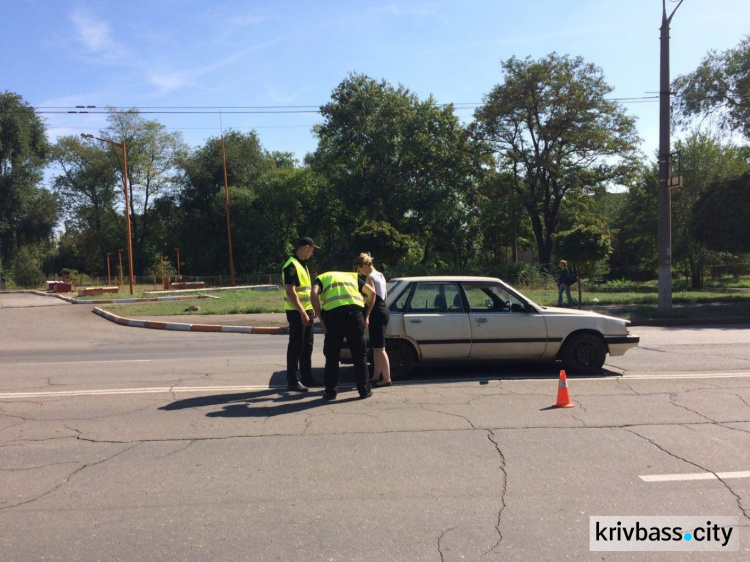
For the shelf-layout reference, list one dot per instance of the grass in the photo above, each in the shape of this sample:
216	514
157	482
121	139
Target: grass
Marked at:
241	301
640	299
549	297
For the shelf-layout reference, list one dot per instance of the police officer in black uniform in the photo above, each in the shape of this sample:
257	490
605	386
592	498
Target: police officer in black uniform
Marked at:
299	313
337	299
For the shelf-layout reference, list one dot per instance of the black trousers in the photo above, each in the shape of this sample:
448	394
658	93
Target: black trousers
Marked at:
300	348
345	322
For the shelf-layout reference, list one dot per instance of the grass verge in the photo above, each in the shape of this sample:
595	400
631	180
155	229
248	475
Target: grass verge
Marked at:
241	301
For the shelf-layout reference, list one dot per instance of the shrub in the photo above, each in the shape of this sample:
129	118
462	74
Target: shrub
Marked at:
26	270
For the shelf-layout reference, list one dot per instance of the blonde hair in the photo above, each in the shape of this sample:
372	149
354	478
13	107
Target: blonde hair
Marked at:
364	259
563	263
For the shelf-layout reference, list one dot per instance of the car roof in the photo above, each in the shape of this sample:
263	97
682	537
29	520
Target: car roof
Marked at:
460	278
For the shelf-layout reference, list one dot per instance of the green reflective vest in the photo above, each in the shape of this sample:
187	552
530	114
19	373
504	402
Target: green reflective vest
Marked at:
340	288
305	286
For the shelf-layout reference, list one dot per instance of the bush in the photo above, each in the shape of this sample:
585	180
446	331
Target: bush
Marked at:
26	271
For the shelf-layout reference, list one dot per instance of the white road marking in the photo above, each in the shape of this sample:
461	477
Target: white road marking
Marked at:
85	362
694	476
155	390
416	382
729	374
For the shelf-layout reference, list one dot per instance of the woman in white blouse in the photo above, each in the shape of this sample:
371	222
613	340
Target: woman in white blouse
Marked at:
376	319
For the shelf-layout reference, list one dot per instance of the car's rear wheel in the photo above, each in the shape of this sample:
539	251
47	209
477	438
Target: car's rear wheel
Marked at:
401	358
584	353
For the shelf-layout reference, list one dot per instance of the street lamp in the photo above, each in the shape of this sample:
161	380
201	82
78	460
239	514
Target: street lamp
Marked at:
226	192
127	202
665	202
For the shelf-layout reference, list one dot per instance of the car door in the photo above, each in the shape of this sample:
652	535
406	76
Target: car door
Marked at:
435	318
502	325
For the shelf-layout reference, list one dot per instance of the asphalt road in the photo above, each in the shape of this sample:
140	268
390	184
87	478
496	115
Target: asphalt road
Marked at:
123	443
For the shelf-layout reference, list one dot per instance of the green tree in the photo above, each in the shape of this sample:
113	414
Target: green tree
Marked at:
26	270
202	202
704	161
388	246
720	219
584	246
28	212
557	135
88	186
152	155
389	157
635	247
718	88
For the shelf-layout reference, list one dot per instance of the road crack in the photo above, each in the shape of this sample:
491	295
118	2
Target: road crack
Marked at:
502	466
737	498
67	478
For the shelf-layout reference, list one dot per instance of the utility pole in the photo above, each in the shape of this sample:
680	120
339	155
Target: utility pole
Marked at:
229	224
665	202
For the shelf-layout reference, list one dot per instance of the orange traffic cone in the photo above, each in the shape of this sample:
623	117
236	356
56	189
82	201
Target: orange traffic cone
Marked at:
563	396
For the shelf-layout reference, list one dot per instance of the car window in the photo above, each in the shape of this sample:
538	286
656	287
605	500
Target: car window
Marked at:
399	305
492	298
436	297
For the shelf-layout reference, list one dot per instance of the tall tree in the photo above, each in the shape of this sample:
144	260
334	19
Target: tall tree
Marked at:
202	201
704	162
720	88
720	219
88	185
28	212
390	157
556	133
152	156
636	227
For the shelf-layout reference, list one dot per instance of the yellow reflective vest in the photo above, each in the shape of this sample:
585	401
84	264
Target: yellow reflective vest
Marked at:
305	286
339	288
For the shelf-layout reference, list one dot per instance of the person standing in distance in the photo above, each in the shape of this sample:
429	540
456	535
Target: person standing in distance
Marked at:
299	313
564	280
337	300
376	318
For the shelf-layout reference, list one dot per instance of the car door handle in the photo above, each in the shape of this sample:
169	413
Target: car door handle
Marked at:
415	320
480	320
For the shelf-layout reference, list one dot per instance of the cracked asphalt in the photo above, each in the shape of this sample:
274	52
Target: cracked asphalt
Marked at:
119	443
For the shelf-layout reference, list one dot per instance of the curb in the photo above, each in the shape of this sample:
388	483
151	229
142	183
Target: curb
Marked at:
189	327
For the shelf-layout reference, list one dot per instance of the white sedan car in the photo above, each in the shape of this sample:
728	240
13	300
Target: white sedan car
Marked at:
439	319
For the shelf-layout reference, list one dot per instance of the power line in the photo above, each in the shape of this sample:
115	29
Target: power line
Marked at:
251	110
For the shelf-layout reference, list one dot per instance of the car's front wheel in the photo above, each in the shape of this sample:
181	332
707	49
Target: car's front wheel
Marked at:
584	353
401	358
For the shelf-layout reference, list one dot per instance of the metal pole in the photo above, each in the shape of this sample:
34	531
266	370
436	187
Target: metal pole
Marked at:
665	203
127	201
179	275
122	282
127	211
226	192
109	277
161	259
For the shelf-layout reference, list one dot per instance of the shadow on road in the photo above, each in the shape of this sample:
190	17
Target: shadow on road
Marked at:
271	402
278	401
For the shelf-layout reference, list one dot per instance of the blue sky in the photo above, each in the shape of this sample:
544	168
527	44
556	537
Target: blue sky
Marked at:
229	54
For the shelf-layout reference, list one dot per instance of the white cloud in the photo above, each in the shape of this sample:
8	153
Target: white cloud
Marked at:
96	36
167	81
